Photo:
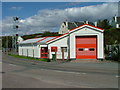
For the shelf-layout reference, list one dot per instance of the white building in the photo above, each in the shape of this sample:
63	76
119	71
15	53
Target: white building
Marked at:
66	26
115	22
83	42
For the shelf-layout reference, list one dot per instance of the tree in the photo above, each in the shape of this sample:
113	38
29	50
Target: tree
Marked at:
104	24
112	36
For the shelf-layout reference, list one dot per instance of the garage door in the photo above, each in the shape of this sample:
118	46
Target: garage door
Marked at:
86	47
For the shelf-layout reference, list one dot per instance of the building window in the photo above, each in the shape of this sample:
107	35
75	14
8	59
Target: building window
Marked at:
64	48
91	49
80	49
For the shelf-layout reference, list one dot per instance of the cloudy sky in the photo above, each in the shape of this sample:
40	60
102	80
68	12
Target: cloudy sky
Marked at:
36	17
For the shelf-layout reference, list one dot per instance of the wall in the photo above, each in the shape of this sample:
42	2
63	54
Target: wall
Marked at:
59	43
87	32
63	28
29	50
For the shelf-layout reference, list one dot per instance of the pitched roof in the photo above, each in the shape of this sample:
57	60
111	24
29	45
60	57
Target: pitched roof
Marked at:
41	40
74	30
72	25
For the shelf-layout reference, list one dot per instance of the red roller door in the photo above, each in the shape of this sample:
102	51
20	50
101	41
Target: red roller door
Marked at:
86	47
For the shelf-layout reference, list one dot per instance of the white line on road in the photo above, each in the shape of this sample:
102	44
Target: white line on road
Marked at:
64	71
12	64
117	76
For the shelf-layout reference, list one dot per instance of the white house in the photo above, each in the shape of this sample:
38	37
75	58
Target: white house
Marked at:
19	39
66	26
82	42
115	21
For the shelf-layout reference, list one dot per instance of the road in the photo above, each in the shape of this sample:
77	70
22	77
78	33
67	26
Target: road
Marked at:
22	73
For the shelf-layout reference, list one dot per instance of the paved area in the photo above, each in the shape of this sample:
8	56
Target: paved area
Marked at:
36	74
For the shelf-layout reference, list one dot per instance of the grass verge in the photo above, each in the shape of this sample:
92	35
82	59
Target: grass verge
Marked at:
30	58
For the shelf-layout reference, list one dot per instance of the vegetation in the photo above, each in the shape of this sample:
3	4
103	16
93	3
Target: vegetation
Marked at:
112	36
104	24
7	40
45	34
30	58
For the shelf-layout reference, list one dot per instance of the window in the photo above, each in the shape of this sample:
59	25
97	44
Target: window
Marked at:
80	49
91	49
64	48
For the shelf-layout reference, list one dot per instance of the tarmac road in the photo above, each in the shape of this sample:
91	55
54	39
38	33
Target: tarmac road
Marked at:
21	73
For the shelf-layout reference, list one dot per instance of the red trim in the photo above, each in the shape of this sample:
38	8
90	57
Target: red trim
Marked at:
84	25
45	38
74	29
41	39
57	37
78	27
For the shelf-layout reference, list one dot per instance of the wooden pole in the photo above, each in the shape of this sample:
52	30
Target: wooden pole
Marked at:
62	54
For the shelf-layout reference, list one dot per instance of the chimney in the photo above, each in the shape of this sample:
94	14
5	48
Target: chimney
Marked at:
86	22
115	18
66	23
95	24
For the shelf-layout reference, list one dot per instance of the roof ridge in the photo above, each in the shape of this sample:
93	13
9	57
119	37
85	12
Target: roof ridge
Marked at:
74	29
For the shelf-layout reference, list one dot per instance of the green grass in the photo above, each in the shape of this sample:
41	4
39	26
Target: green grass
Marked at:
30	58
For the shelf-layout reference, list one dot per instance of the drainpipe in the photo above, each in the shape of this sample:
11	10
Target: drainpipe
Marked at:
33	49
68	46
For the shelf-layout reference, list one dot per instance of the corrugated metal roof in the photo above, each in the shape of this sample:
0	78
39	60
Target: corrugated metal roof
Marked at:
34	40
41	40
47	39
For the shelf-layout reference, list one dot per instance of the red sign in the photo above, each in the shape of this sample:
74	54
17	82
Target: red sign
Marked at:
54	49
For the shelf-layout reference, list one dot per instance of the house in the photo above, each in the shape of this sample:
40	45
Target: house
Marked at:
83	42
35	47
115	22
66	26
19	39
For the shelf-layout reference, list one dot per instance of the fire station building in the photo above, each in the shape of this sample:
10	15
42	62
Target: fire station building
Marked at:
82	42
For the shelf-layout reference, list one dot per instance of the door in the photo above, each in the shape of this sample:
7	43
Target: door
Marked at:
86	47
44	52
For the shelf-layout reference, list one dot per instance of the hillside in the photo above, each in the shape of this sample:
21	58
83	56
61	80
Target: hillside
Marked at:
47	33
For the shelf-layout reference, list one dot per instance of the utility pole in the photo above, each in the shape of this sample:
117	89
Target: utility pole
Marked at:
14	37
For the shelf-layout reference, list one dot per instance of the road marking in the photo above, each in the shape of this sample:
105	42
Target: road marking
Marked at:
117	76
12	64
65	71
83	73
69	72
